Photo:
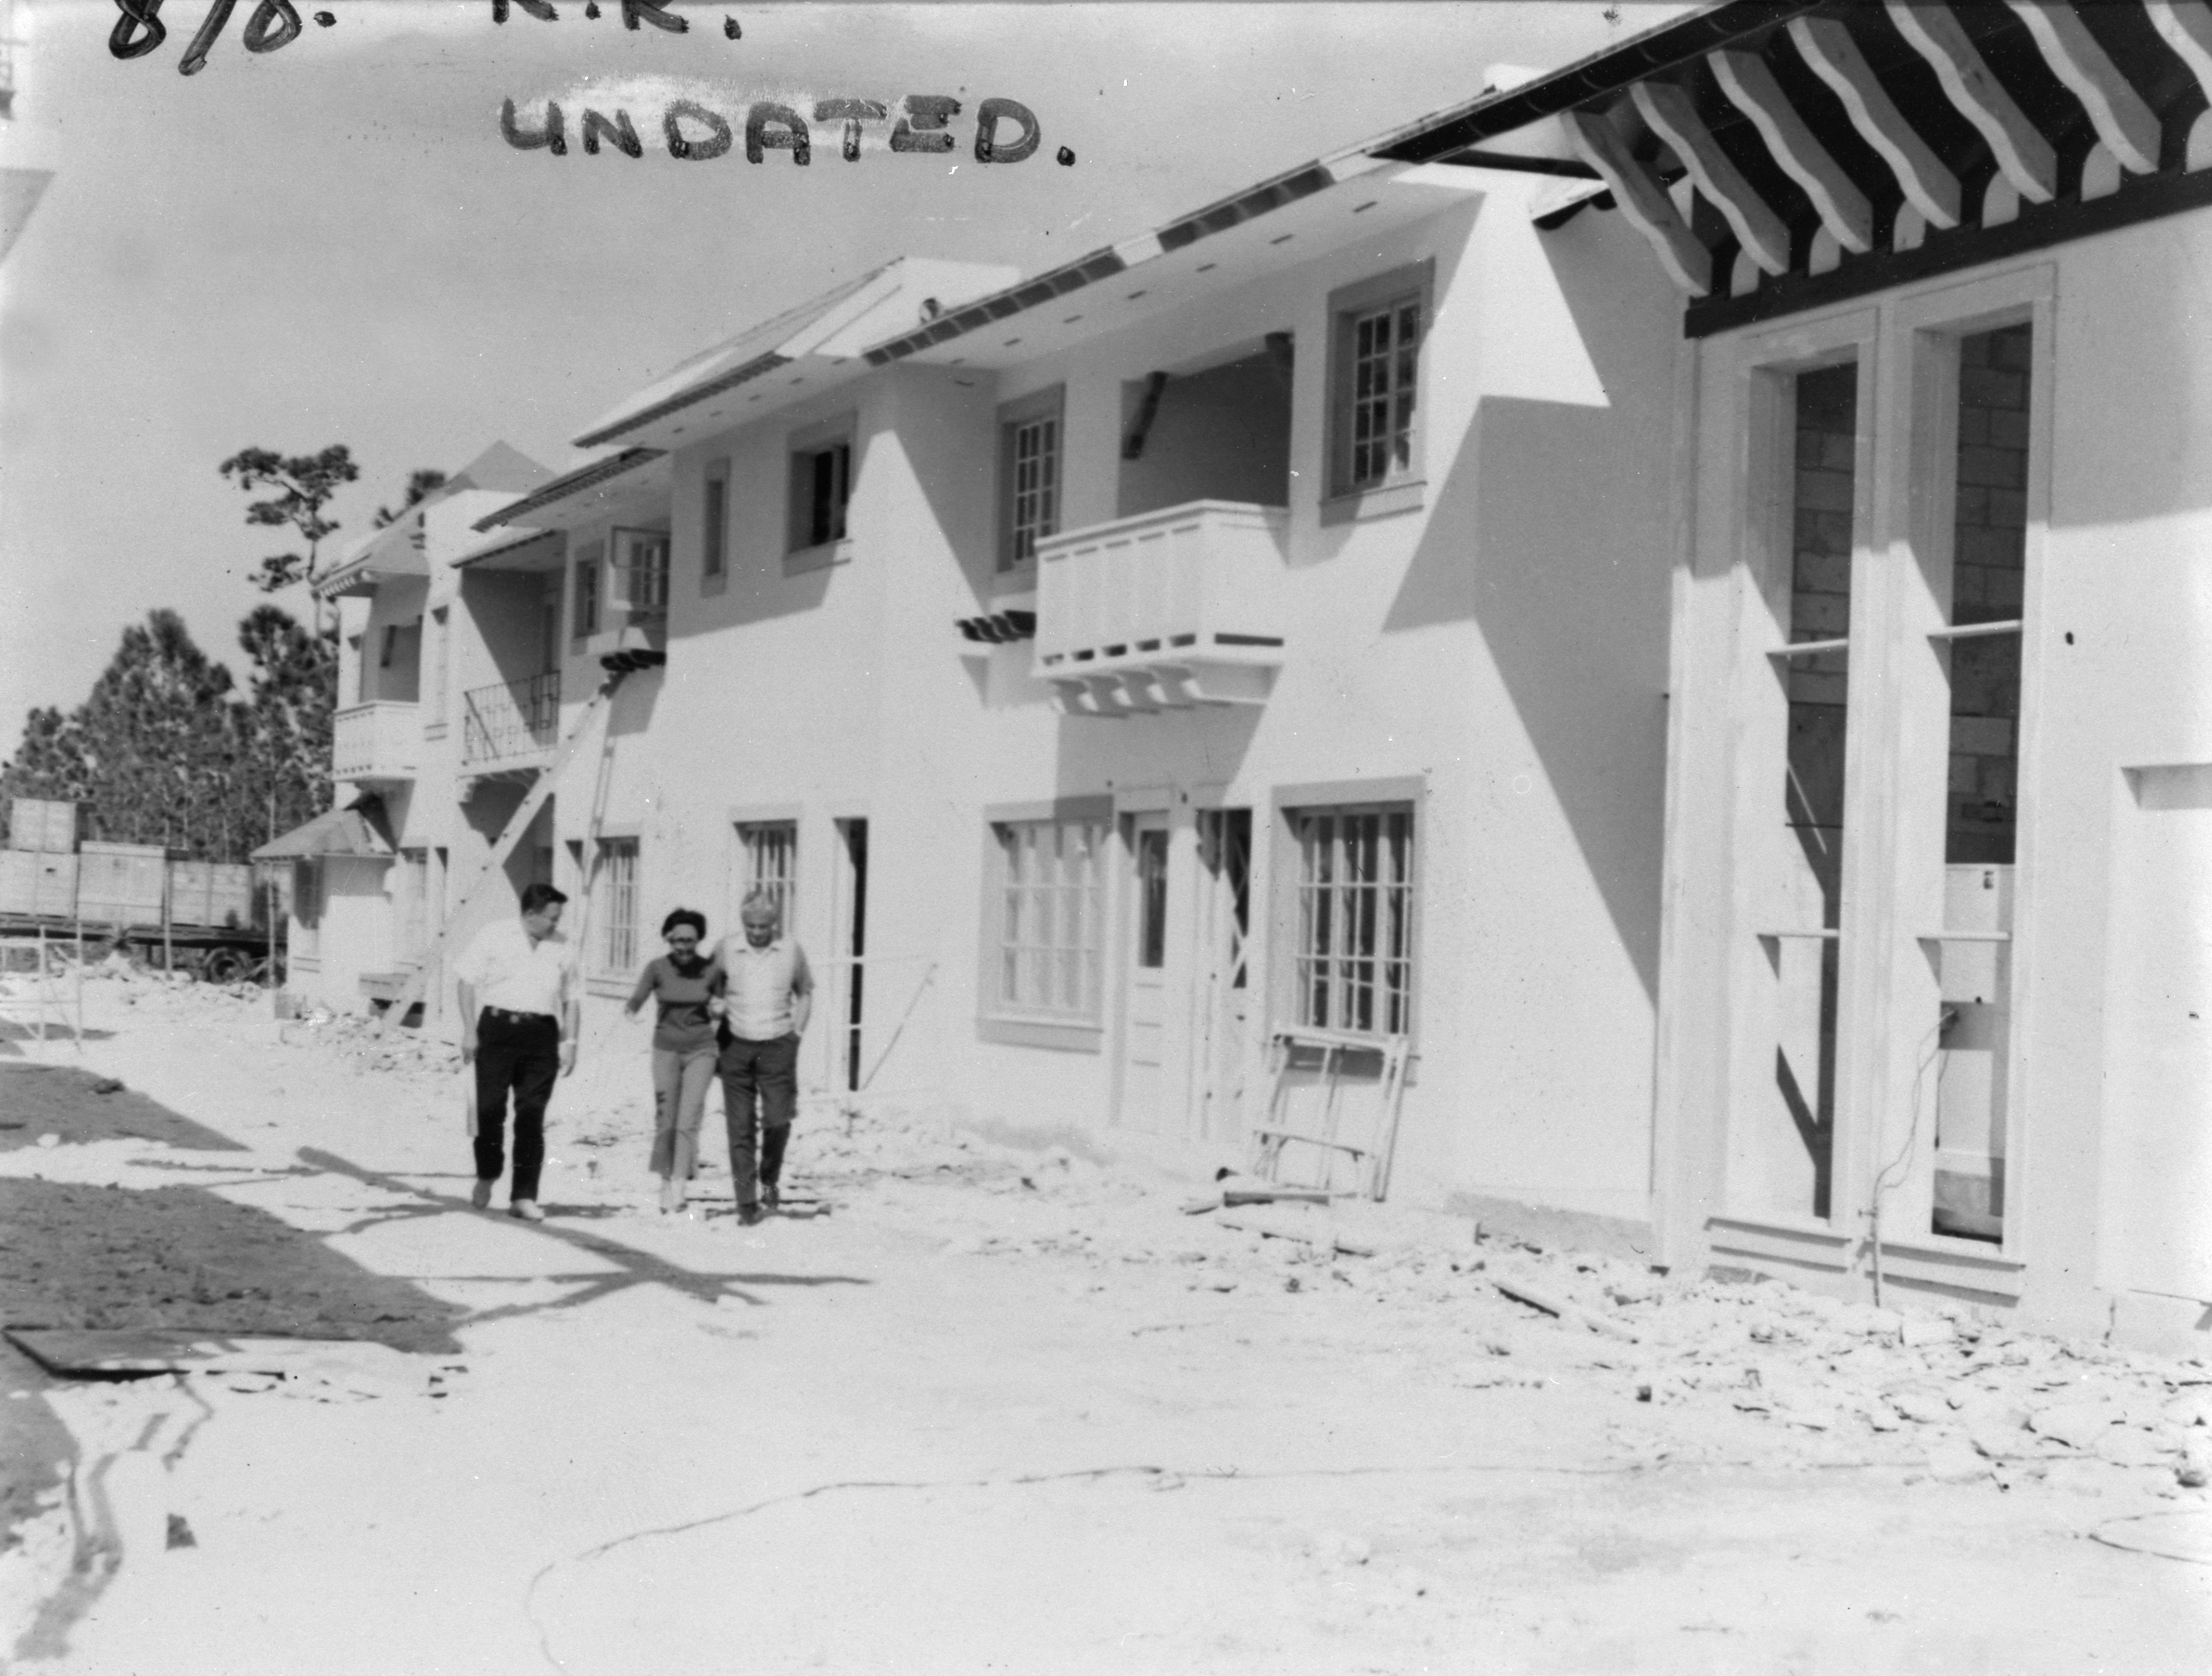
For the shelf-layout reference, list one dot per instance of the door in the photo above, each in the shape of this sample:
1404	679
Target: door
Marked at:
1224	999
1144	1033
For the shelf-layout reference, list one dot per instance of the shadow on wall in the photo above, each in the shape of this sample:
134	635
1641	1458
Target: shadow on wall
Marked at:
1550	531
631	709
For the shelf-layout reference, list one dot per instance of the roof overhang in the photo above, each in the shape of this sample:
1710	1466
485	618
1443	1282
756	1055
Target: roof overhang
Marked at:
587	493
1304	212
792	357
355	831
1788	154
521	549
395	550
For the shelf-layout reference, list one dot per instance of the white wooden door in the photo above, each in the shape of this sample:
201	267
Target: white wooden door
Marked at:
1144	1033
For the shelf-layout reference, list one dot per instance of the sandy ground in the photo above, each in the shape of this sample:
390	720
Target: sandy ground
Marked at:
1016	1411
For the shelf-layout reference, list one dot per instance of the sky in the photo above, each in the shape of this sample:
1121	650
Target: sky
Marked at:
332	242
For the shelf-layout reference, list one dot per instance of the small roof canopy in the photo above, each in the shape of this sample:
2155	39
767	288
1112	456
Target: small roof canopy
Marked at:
356	831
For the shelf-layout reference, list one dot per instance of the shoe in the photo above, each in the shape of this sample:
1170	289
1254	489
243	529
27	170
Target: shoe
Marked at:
748	1215
526	1209
771	1197
480	1194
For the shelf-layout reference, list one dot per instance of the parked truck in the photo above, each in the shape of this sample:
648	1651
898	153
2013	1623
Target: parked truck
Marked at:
207	916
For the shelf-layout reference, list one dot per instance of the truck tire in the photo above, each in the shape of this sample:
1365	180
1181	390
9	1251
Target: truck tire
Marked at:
226	965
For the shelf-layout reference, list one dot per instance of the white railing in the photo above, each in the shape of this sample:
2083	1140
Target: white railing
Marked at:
1168	609
510	721
377	740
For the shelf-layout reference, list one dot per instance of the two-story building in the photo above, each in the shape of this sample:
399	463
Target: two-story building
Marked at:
1937	957
1260	623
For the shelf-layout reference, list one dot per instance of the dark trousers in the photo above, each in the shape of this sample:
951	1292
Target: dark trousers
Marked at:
519	1052
759	1084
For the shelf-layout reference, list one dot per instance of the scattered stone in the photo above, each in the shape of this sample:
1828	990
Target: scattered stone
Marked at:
1920	1404
2079	1425
1952	1460
1920	1331
108	1085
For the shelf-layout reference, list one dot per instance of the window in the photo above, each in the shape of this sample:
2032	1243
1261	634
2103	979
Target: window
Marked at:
1375	441
767	858
1353	968
1051	890
640	563
714	521
1029	477
584	615
614	909
821	488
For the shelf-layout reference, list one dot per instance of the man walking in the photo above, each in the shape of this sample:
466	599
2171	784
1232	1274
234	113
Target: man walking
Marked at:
769	993
519	1019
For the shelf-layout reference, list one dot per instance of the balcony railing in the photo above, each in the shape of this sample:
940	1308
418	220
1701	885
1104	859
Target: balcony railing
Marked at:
378	741
511	723
1165	611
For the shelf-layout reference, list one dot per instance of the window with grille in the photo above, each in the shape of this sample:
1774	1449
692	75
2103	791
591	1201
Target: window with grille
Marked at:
1353	968
1375	419
768	854
1385	345
1029	470
614	907
1051	891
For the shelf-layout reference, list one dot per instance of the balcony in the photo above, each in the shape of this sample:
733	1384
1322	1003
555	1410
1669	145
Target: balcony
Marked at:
378	741
1166	610
510	725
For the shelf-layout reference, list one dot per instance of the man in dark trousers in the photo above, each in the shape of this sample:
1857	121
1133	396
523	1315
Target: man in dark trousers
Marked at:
518	1021
767	996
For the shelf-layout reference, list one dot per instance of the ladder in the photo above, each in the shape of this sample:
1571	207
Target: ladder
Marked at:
46	1003
592	721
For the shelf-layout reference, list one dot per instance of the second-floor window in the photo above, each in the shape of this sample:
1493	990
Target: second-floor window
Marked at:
714	521
1029	477
640	561
1375	419
585	613
821	485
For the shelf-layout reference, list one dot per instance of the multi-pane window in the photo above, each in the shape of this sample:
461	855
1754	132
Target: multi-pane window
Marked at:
585	613
640	561
714	520
768	856
1033	449
614	907
306	934
1384	346
1353	968
1051	889
821	485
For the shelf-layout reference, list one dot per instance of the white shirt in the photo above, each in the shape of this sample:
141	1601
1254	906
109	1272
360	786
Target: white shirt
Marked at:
762	982
506	970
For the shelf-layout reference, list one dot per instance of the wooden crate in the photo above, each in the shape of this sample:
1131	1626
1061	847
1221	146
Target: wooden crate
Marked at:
41	824
210	893
38	882
121	884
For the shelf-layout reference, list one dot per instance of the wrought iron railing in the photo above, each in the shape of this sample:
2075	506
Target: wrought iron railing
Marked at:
510	720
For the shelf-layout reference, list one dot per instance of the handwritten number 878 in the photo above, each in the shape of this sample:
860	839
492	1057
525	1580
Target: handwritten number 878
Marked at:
274	23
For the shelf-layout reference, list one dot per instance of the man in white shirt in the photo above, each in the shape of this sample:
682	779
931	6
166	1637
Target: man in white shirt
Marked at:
765	1003
519	1017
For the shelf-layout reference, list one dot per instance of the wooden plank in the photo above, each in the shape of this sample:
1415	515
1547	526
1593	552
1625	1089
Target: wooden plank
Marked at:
1928	184
1324	1237
2186	27
1521	1292
1642	199
2123	122
1844	209
2023	156
1761	232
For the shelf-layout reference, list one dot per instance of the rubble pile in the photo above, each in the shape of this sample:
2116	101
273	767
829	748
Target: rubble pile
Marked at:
368	1043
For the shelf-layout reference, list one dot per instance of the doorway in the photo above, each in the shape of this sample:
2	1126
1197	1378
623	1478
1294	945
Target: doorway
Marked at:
1224	997
1143	1034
